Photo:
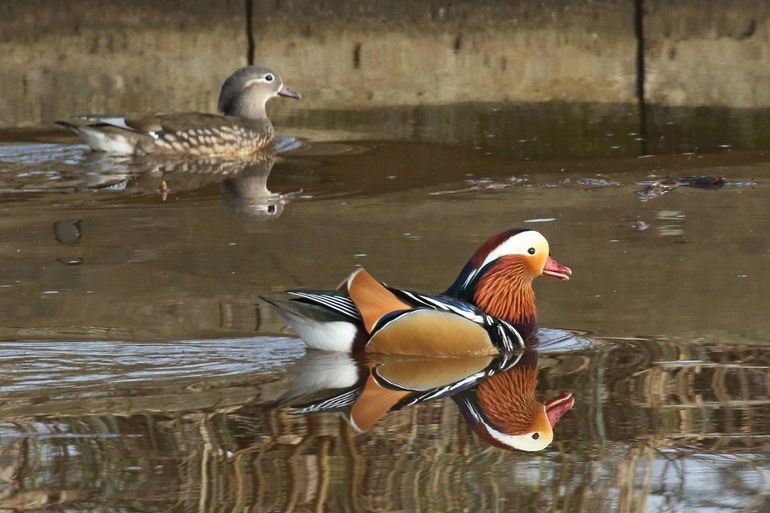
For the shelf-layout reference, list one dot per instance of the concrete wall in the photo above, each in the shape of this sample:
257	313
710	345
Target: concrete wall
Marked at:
433	52
63	56
66	56
707	52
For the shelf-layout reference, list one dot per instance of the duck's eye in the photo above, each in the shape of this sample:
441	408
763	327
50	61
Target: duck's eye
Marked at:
269	77
531	251
535	436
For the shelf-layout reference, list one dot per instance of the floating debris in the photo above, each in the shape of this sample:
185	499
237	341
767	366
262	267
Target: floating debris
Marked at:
485	184
68	231
70	261
660	187
596	182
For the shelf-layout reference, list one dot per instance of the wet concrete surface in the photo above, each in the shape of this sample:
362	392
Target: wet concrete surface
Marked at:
141	369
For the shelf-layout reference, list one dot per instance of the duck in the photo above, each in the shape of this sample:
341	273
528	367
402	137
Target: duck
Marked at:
495	394
488	309
242	128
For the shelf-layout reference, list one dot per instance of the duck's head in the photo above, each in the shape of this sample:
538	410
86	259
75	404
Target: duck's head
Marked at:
246	92
504	412
498	277
516	246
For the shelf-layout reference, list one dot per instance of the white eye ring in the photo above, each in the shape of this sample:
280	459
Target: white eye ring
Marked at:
269	77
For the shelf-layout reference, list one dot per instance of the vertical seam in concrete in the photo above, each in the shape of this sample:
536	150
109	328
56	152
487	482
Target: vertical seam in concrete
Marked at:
249	32
640	73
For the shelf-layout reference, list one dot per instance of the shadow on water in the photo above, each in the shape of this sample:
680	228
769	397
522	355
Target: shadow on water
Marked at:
552	131
140	369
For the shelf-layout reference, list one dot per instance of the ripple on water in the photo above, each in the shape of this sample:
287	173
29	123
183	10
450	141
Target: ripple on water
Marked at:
37	153
34	367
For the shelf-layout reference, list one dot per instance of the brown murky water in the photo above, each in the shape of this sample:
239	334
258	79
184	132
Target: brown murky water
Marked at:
139	369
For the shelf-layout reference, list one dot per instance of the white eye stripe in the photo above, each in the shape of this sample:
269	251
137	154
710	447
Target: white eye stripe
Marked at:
269	78
250	83
518	244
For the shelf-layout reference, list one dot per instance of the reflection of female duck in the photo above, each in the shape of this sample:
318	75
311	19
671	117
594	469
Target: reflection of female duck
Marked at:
243	182
247	194
495	394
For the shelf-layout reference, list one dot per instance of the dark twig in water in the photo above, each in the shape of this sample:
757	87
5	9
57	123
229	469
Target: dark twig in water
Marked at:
660	187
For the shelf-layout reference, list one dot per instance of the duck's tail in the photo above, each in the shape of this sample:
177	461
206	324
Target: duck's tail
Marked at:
319	326
110	134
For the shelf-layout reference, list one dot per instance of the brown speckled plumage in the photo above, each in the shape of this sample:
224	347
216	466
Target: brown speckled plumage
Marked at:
241	138
242	129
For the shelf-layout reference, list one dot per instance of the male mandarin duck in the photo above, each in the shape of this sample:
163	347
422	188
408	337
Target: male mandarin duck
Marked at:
496	394
490	308
242	129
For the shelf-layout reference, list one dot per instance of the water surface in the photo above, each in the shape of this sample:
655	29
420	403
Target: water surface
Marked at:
140	369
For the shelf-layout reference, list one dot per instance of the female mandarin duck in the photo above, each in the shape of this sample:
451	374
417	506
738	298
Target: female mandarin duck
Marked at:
490	307
496	394
243	129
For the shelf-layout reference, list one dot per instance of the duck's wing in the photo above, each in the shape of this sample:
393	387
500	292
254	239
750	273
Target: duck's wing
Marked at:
176	122
378	300
443	303
204	133
333	300
372	299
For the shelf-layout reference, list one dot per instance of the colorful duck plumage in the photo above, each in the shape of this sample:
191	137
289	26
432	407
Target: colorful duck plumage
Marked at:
490	308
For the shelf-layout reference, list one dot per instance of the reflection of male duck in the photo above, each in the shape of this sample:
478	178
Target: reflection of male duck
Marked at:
495	394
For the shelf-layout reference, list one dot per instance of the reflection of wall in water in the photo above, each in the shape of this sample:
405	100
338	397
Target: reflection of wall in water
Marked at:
251	458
